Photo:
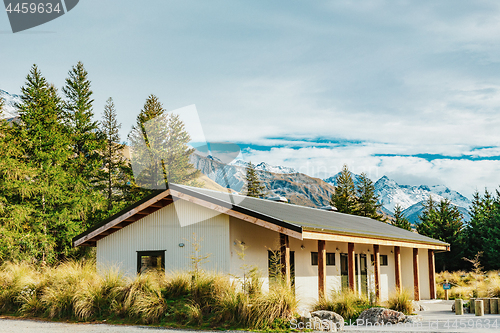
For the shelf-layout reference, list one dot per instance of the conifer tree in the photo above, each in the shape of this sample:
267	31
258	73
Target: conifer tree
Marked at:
161	150
113	174
344	198
400	220
49	204
443	221
482	232
367	202
79	117
253	187
86	141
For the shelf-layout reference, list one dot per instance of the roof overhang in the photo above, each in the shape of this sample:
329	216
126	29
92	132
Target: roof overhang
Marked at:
163	198
166	197
359	239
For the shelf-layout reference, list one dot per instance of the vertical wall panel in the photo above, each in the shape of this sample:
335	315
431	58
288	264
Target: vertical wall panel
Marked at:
162	231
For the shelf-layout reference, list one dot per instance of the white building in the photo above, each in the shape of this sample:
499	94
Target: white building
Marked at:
320	250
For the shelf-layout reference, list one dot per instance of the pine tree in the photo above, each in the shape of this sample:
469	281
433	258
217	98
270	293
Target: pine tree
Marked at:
13	213
49	203
367	202
86	141
79	117
344	198
400	220
160	151
113	175
253	186
482	232
443	221
491	246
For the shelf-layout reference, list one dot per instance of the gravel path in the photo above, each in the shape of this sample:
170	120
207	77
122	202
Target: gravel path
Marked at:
438	319
36	326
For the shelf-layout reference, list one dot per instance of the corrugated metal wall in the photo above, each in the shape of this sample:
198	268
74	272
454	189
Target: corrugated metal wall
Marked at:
162	231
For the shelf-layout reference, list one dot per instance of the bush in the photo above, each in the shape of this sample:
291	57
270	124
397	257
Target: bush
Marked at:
346	303
467	285
74	290
402	301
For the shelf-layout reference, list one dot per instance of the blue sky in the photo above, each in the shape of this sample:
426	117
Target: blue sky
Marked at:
410	89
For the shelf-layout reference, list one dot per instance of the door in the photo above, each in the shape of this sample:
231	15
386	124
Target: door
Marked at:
344	271
363	268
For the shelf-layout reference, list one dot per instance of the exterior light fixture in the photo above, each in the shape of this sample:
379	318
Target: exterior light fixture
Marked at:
302	246
181	244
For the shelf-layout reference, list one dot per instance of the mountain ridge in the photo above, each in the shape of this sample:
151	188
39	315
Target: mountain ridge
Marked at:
9	110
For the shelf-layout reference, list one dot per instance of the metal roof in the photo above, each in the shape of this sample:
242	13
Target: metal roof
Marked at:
289	216
316	219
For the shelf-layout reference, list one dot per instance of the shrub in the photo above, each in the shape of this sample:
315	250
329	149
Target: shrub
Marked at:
74	290
346	303
402	301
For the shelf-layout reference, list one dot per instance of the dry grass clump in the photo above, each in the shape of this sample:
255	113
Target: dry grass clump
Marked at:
18	282
402	301
346	303
466	285
74	290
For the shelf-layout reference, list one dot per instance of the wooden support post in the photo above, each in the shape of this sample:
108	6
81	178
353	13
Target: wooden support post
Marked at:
478	306
486	305
459	307
376	263
397	266
472	303
494	305
432	274
285	257
416	282
321	268
350	265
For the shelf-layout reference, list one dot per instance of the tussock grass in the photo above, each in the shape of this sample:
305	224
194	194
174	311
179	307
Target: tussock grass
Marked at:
466	285
402	301
74	290
346	303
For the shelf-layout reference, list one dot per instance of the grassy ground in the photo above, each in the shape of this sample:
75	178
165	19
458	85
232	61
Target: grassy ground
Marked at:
74	291
466	285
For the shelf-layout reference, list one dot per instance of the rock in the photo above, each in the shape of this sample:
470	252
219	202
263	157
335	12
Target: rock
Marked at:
316	324
380	316
424	308
419	307
413	319
415	306
337	319
304	315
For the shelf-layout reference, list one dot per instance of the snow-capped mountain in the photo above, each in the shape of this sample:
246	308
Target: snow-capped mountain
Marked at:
9	110
333	179
263	166
411	197
297	188
392	194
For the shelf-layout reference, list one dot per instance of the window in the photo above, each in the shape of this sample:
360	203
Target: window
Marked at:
330	259
150	260
383	260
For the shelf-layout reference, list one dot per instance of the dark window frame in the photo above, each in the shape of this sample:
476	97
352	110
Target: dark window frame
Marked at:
384	260
150	253
329	256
